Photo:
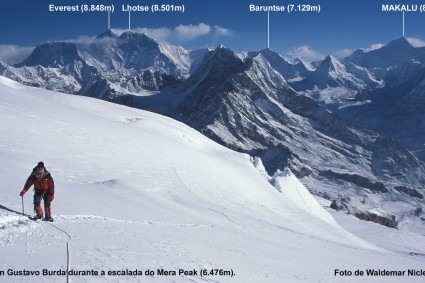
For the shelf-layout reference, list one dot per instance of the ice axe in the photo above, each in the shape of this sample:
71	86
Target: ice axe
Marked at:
23	208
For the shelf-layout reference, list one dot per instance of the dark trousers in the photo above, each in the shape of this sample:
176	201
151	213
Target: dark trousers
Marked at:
38	197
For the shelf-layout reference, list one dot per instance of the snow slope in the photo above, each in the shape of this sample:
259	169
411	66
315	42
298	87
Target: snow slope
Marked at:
136	190
294	190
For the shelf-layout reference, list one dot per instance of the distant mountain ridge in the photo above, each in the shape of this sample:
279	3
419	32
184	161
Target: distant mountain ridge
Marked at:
110	53
104	67
328	123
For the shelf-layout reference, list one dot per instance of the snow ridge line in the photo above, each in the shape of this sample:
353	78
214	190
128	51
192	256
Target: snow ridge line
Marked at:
68	257
143	222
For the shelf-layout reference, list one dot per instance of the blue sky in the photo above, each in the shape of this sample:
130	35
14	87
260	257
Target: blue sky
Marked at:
341	26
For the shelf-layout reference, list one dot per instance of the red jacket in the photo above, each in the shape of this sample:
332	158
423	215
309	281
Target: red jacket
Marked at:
44	186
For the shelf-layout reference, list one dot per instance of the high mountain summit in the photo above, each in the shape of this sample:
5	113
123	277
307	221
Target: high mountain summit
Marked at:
394	63
394	54
323	123
289	70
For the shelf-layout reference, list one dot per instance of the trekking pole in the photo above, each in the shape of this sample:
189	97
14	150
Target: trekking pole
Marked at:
23	208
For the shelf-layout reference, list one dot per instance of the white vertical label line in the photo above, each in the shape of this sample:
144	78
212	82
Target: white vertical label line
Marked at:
403	23
129	21
109	20
268	29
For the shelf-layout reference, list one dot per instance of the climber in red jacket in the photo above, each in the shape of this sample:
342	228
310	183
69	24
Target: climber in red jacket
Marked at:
44	188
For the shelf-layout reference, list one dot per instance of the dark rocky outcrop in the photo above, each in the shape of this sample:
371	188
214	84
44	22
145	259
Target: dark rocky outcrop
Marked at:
386	220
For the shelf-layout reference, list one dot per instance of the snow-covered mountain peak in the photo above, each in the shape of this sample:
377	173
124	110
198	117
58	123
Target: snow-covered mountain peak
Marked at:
137	51
274	57
308	66
270	54
262	72
136	36
215	67
53	54
107	34
298	60
400	45
222	52
288	70
220	59
393	55
332	67
331	63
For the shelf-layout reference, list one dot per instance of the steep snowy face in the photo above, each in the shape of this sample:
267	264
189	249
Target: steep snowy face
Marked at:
268	78
197	57
107	34
217	66
289	185
289	70
332	65
224	73
332	73
224	85
142	52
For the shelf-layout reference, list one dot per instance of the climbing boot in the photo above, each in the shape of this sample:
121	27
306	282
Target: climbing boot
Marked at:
38	212
48	214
